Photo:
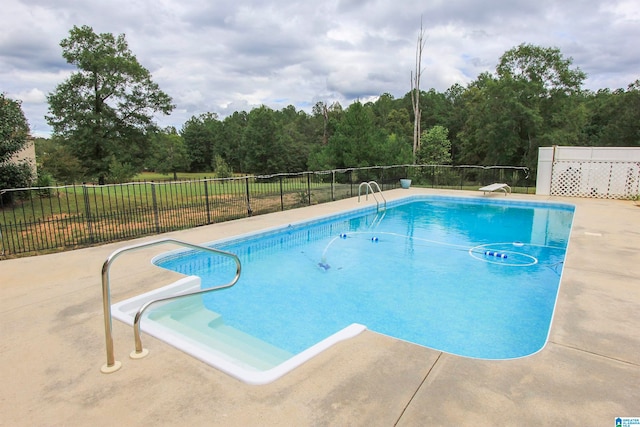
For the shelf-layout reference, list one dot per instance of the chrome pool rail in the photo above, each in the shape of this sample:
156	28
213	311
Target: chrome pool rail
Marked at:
113	365
369	186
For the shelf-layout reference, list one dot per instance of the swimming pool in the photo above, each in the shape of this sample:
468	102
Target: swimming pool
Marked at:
473	277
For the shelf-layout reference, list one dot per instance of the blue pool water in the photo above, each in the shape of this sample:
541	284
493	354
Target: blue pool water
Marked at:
420	271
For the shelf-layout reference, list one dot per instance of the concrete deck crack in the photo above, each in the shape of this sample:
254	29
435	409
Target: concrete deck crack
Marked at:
417	389
594	353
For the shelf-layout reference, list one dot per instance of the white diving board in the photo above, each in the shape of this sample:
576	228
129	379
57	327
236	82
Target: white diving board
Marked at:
495	187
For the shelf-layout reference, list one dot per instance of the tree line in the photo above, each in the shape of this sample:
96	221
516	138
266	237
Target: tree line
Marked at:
103	130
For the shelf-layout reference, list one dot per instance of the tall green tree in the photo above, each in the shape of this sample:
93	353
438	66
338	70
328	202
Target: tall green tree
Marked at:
545	82
221	168
201	134
14	133
396	150
230	142
545	68
455	118
169	153
435	147
357	142
263	151
399	123
614	117
55	159
105	109
320	117
533	100
382	107
495	121
435	109
295	138
326	118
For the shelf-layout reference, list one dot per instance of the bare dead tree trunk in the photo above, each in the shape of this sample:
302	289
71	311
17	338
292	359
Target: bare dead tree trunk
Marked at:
415	91
325	115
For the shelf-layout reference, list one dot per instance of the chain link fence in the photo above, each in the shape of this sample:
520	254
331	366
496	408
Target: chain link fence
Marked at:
52	219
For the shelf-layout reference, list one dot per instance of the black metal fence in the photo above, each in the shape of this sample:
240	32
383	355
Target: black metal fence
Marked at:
50	219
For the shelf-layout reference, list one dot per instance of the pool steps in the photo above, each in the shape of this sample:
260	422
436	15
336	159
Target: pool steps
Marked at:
207	328
140	352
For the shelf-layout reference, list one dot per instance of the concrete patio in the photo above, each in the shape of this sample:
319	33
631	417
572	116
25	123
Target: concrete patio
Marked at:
52	347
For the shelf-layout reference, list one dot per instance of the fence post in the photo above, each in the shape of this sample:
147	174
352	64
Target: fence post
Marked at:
156	217
206	198
351	181
4	221
333	183
249	210
87	209
309	187
281	195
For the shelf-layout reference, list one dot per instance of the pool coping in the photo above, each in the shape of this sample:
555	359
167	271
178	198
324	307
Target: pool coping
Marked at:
587	374
125	310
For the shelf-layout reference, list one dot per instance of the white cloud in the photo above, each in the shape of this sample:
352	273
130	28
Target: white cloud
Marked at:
32	96
226	55
624	11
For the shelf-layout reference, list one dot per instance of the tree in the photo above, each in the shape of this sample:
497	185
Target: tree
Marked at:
329	116
415	91
534	99
382	108
435	109
396	150
456	117
230	140
545	69
501	123
294	137
14	133
262	150
356	141
435	147
201	134
104	111
544	84
399	123
56	160
614	117
320	110
221	167
169	154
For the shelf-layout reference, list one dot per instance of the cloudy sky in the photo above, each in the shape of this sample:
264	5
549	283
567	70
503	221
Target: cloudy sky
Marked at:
228	55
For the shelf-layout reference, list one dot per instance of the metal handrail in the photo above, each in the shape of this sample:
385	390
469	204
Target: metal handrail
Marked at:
379	191
368	186
113	365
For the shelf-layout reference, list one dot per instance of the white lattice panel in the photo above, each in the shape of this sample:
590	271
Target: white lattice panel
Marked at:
603	180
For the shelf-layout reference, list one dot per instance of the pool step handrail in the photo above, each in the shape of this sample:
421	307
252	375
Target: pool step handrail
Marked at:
113	365
369	186
377	219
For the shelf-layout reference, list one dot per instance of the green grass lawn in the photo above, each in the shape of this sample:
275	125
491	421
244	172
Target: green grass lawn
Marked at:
73	216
